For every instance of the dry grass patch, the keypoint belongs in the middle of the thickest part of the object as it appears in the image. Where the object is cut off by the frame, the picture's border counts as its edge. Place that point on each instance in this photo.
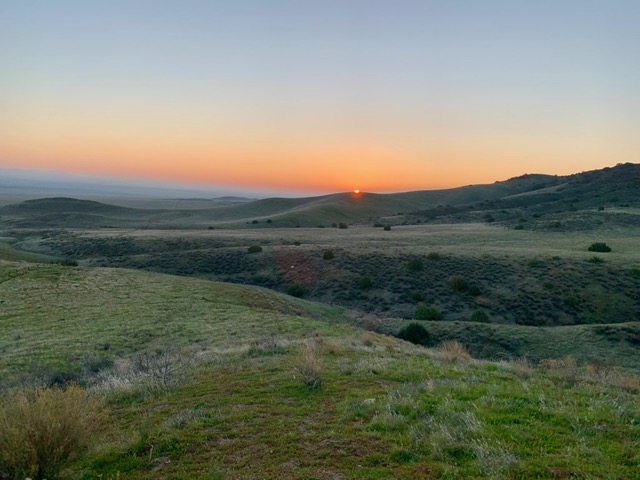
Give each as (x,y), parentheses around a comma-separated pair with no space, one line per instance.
(42,430)
(309,365)
(452,351)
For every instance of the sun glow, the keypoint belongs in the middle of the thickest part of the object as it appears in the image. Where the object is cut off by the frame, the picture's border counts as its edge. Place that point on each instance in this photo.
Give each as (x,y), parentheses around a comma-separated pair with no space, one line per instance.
(356,191)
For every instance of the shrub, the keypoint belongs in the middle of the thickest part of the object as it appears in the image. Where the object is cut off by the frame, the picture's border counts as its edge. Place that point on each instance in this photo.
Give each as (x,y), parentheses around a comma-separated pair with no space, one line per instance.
(519,227)
(453,351)
(342,225)
(296,290)
(415,265)
(596,260)
(599,247)
(297,243)
(364,283)
(68,262)
(42,430)
(328,255)
(480,316)
(254,249)
(427,313)
(387,228)
(458,283)
(254,221)
(475,290)
(269,220)
(434,256)
(310,365)
(378,225)
(414,333)
(417,297)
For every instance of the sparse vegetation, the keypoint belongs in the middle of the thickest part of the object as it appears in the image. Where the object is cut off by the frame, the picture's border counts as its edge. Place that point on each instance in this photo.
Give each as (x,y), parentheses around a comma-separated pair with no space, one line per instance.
(254,249)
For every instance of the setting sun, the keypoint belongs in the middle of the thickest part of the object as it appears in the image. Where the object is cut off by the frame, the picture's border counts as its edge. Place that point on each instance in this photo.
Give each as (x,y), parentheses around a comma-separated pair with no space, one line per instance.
(356,191)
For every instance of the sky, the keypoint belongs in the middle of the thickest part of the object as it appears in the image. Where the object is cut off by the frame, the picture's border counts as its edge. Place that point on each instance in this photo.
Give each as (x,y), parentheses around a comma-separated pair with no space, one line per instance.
(319,96)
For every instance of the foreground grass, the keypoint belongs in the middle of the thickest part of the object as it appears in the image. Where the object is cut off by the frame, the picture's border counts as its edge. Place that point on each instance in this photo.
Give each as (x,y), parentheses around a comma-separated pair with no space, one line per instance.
(242,409)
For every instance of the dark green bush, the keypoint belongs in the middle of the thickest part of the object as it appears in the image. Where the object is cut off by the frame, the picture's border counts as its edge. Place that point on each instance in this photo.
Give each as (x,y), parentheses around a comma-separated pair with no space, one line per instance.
(269,220)
(599,247)
(68,262)
(474,290)
(427,313)
(434,256)
(387,228)
(414,333)
(364,283)
(328,255)
(296,290)
(458,283)
(342,225)
(415,265)
(417,297)
(254,249)
(480,316)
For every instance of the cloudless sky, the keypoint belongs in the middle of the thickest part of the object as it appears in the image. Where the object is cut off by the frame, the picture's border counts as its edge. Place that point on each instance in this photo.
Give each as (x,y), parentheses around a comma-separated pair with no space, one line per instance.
(319,96)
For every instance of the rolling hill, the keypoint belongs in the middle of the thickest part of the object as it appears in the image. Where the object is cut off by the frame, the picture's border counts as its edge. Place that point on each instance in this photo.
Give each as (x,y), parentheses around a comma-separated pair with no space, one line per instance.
(619,185)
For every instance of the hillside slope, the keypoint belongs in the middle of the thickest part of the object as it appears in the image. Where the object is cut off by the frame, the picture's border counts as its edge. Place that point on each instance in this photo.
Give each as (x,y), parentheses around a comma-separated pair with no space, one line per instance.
(237,404)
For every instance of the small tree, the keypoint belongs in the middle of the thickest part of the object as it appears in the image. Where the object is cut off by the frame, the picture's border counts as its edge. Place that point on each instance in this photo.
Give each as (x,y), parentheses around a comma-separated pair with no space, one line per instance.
(414,333)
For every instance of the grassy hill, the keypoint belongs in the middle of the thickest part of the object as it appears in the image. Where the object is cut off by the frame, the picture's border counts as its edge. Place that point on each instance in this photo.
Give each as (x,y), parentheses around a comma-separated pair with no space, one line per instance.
(199,379)
(619,185)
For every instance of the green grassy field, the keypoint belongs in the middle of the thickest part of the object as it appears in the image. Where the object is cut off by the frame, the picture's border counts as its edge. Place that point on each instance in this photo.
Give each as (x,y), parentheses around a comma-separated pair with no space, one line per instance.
(239,408)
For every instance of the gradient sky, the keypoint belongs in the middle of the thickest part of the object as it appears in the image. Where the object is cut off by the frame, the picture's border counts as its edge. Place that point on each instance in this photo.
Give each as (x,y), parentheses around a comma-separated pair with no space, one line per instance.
(319,96)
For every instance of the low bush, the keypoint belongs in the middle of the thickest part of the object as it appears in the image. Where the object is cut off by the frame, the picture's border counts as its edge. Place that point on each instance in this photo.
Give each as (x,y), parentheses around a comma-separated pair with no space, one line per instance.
(414,333)
(458,283)
(480,316)
(42,430)
(296,290)
(427,313)
(599,247)
(328,255)
(453,351)
(254,249)
(364,283)
(415,265)
(434,256)
(387,228)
